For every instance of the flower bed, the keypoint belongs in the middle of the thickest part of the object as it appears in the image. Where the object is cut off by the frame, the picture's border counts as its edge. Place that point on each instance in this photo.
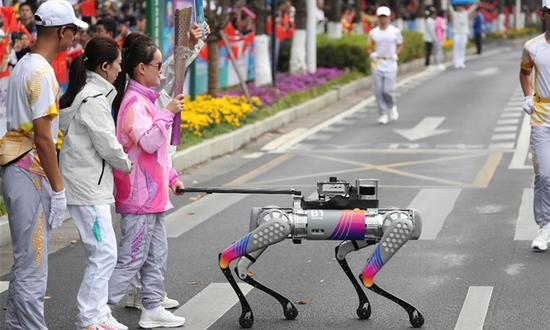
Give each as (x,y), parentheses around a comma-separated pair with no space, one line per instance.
(232,107)
(288,83)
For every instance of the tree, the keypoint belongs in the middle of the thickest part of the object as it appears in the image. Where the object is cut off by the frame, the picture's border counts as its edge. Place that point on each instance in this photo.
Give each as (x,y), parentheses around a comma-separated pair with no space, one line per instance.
(217,17)
(335,13)
(262,66)
(298,49)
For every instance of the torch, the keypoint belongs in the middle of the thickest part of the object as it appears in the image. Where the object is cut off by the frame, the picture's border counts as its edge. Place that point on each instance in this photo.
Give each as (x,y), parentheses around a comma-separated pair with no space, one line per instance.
(182,53)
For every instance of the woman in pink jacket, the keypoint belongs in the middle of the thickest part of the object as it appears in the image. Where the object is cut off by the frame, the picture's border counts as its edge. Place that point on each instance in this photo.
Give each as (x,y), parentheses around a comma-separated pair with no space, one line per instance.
(440,35)
(142,196)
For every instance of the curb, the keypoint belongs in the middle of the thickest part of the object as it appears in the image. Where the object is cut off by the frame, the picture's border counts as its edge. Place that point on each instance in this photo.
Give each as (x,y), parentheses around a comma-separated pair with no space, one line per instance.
(233,141)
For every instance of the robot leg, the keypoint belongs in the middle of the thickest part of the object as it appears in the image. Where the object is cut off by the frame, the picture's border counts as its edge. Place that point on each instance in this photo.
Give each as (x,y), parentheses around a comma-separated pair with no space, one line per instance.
(398,228)
(274,228)
(342,250)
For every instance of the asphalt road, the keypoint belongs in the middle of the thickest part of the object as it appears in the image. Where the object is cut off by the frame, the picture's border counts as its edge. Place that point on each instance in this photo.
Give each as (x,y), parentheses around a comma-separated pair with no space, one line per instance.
(464,165)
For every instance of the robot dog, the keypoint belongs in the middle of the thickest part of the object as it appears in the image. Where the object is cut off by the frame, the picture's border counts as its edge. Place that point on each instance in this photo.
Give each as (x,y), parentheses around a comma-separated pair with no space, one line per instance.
(342,212)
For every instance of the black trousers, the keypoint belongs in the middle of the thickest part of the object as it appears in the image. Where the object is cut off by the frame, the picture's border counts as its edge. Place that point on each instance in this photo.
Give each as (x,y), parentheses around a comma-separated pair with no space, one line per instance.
(477,39)
(429,46)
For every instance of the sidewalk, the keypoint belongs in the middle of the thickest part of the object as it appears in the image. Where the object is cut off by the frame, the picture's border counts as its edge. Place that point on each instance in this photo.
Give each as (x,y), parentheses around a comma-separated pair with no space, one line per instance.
(233,141)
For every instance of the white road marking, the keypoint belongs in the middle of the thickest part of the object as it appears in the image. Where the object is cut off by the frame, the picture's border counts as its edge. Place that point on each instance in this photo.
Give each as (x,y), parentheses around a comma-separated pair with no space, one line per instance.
(207,306)
(499,146)
(474,310)
(505,136)
(434,206)
(490,71)
(512,121)
(281,140)
(192,215)
(526,228)
(253,155)
(511,114)
(500,129)
(522,148)
(4,286)
(427,127)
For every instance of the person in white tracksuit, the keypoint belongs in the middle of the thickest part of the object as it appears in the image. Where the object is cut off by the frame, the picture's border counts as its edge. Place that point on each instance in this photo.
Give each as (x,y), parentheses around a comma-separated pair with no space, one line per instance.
(89,152)
(384,45)
(536,57)
(461,30)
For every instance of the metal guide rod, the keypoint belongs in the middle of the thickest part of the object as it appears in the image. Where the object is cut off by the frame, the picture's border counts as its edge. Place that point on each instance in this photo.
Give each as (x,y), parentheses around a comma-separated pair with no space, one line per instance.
(240,191)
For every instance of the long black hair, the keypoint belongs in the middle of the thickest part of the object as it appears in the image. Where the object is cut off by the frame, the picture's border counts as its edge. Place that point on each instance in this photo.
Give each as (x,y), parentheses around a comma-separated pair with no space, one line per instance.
(98,51)
(137,48)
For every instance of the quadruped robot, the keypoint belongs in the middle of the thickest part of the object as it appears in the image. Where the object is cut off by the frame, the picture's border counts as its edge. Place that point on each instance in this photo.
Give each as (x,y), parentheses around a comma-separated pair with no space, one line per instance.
(342,212)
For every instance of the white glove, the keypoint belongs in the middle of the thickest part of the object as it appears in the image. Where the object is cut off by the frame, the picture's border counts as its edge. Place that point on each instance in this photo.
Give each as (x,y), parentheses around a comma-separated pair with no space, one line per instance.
(528,105)
(373,56)
(57,210)
(395,58)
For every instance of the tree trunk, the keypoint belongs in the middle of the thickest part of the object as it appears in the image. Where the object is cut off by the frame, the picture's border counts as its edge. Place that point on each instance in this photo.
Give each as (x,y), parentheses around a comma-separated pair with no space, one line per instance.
(334,27)
(213,67)
(298,49)
(262,63)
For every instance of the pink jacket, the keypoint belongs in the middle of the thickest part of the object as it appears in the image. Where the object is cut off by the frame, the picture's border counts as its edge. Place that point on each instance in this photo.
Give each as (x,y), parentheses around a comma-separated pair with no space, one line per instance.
(143,131)
(440,28)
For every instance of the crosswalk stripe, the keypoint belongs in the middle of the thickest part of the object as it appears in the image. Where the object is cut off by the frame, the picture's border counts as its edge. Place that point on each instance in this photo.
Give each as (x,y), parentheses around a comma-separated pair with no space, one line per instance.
(510,114)
(281,140)
(520,155)
(474,310)
(434,206)
(253,155)
(207,306)
(501,129)
(505,136)
(511,121)
(526,228)
(192,215)
(4,286)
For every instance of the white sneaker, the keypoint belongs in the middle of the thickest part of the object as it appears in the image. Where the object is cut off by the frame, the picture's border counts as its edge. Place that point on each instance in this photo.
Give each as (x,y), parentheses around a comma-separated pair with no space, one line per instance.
(114,324)
(168,303)
(159,317)
(383,120)
(394,115)
(540,243)
(441,67)
(132,301)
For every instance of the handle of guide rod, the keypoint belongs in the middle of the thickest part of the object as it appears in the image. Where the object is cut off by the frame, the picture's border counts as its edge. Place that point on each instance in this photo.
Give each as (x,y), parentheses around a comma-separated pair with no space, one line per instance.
(241,191)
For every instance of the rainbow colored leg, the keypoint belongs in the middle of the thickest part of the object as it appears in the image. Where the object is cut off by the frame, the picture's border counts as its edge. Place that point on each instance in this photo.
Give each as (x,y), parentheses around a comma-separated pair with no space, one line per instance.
(274,228)
(398,228)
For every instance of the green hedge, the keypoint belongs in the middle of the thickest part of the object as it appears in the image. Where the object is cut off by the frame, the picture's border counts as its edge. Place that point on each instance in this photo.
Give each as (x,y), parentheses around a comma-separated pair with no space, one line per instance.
(351,51)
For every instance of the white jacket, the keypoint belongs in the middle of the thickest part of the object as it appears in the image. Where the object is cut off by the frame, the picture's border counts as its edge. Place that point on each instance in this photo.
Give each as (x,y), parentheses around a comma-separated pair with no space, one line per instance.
(90,148)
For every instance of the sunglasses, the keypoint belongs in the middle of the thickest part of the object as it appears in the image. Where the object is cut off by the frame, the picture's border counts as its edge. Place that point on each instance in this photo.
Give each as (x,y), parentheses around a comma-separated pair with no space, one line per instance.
(158,66)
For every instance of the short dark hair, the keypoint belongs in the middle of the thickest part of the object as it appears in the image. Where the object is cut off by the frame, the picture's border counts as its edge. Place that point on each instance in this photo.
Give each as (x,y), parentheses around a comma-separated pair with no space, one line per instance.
(109,24)
(26,4)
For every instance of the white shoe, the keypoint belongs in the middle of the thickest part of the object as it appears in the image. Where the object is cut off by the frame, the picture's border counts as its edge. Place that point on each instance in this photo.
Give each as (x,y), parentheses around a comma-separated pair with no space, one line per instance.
(114,324)
(441,67)
(168,303)
(540,243)
(132,301)
(159,317)
(383,120)
(394,115)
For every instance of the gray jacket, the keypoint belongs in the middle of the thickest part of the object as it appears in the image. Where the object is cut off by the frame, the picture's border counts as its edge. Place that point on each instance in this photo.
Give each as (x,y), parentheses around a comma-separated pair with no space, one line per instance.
(90,148)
